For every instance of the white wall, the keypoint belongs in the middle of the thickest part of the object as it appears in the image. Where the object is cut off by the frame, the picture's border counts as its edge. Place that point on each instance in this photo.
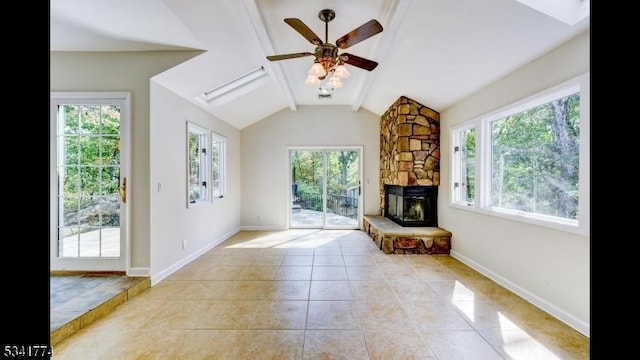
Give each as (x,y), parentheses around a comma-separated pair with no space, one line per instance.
(551,268)
(122,71)
(202,225)
(265,158)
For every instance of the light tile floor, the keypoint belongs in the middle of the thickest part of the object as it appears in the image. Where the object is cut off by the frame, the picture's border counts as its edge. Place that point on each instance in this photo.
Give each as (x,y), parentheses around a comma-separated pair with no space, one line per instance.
(323,294)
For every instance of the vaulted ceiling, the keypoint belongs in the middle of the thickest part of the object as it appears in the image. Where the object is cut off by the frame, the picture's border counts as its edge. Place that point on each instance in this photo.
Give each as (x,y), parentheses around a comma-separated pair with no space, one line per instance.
(434,51)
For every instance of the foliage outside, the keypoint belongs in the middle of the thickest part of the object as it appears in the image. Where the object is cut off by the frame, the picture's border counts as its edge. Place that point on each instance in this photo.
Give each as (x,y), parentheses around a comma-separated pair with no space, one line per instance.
(196,190)
(217,167)
(469,165)
(88,169)
(535,159)
(342,179)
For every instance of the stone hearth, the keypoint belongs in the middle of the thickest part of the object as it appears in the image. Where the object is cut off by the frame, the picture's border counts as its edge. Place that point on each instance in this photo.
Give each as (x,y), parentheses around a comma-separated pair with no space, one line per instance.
(392,238)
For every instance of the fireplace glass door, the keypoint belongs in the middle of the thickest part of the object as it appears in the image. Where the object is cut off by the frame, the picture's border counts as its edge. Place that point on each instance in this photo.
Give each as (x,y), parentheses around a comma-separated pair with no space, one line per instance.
(325,188)
(412,205)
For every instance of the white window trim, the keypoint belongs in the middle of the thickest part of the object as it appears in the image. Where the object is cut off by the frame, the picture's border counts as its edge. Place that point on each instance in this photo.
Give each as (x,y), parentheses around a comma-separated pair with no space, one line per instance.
(482,124)
(215,137)
(193,127)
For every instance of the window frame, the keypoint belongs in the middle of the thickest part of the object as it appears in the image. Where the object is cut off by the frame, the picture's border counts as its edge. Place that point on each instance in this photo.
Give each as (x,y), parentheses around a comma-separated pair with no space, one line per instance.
(456,175)
(482,125)
(203,162)
(222,165)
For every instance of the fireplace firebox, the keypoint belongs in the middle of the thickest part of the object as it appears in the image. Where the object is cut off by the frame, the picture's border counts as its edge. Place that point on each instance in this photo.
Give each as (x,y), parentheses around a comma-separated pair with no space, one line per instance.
(411,205)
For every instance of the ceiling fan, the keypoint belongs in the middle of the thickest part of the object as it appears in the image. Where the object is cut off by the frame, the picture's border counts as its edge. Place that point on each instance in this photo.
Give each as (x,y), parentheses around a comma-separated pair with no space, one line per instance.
(328,61)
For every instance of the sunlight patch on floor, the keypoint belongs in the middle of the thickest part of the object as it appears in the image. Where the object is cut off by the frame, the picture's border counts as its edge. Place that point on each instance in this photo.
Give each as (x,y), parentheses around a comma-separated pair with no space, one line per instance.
(463,298)
(295,238)
(519,344)
(501,332)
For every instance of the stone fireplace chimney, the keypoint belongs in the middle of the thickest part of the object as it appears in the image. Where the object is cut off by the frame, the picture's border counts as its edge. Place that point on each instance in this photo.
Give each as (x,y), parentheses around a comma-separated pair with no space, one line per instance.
(409,146)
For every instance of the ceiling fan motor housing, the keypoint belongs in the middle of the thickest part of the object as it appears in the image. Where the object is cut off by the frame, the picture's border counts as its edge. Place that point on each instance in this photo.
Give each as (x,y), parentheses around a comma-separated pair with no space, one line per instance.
(327,55)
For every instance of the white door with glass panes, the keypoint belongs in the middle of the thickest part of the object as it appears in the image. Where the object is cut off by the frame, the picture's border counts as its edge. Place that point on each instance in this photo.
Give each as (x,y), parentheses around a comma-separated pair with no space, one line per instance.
(89,181)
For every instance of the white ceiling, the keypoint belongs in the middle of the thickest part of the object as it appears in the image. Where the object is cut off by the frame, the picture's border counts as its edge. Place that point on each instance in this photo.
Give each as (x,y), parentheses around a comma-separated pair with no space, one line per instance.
(434,51)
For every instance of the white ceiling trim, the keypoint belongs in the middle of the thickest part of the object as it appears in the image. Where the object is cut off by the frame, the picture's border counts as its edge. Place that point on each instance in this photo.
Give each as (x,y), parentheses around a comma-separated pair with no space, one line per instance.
(256,17)
(396,13)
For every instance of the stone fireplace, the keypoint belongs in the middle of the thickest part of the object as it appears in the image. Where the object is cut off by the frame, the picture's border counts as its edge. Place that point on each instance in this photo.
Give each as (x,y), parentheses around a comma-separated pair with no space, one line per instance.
(409,180)
(410,158)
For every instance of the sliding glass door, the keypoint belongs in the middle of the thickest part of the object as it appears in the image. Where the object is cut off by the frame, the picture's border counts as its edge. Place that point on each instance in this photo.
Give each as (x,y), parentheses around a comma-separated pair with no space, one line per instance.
(325,187)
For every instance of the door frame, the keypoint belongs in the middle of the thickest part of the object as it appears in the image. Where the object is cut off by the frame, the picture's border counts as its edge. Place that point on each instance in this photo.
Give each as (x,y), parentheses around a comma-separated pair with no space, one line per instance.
(123,263)
(324,148)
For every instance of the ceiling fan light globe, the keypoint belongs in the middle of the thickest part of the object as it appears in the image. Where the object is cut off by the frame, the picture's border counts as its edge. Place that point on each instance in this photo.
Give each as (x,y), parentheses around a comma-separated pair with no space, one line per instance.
(312,80)
(317,70)
(341,72)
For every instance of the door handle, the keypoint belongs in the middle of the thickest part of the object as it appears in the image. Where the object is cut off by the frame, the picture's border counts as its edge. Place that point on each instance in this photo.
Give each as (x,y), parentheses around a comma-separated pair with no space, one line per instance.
(123,190)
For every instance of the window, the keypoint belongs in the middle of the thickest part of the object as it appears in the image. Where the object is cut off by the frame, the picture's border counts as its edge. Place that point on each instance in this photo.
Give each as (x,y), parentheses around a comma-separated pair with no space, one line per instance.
(197,163)
(465,165)
(534,159)
(524,161)
(206,177)
(218,149)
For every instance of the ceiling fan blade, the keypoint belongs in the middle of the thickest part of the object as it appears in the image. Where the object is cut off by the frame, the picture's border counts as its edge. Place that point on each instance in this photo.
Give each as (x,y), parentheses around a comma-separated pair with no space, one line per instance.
(360,62)
(304,30)
(288,56)
(363,32)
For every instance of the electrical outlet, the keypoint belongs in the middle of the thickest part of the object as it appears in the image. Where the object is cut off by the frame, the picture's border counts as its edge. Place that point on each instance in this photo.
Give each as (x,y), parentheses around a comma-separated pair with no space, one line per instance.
(184,244)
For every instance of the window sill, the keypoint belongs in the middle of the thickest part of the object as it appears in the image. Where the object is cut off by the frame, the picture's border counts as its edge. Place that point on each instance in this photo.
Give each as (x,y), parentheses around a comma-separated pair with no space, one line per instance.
(198,204)
(521,217)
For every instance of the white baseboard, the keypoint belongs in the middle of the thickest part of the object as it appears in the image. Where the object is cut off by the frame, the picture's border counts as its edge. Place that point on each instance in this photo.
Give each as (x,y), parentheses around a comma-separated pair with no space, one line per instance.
(553,310)
(262,228)
(138,272)
(184,261)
